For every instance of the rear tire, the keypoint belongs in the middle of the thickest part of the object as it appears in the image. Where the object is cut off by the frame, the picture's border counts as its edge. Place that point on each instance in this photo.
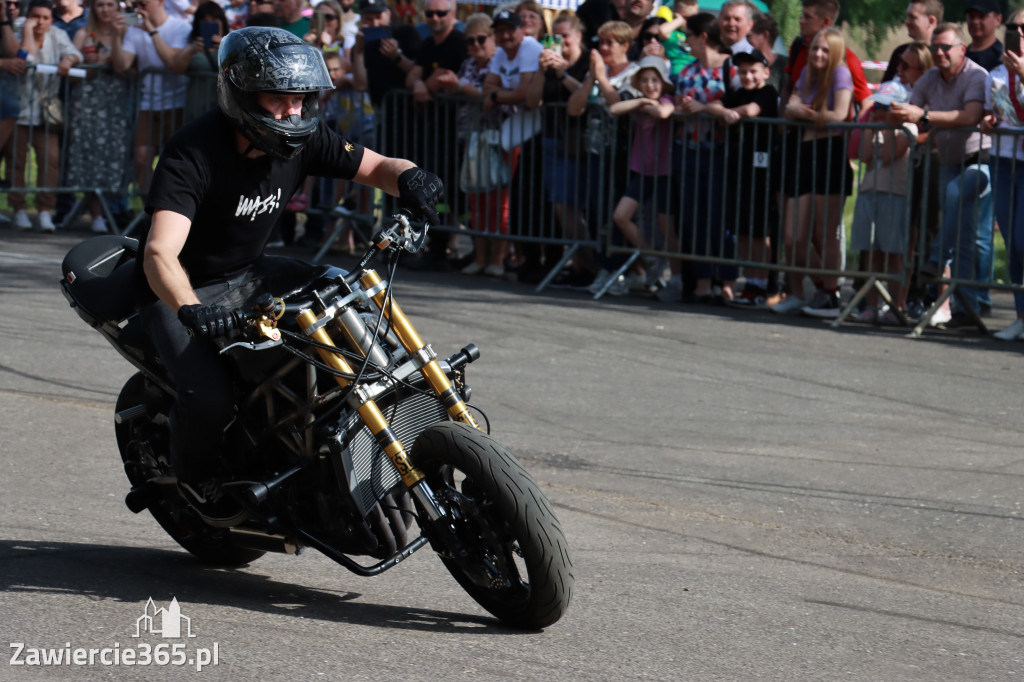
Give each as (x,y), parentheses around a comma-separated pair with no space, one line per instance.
(518,565)
(143,443)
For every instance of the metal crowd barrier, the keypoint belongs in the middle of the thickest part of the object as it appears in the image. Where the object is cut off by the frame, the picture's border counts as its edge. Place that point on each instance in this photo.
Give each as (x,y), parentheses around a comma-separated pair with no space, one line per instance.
(525,176)
(545,178)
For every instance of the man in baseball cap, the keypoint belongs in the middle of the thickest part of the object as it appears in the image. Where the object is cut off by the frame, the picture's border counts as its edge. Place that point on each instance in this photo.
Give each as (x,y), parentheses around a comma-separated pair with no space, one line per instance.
(983,18)
(508,17)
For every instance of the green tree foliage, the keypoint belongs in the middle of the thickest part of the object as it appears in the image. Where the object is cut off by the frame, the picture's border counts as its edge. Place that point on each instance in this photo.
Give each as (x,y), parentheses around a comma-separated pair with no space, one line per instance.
(869,20)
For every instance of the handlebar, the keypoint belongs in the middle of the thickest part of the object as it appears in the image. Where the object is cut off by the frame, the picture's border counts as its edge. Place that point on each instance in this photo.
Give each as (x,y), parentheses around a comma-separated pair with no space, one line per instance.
(400,236)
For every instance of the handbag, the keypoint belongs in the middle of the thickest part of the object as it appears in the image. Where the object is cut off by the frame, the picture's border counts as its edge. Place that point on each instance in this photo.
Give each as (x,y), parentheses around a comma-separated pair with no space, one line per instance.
(53,113)
(483,165)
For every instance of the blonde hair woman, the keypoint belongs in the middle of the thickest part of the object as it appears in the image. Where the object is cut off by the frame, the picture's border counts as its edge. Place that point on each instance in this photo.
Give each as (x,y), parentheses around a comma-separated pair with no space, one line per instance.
(821,176)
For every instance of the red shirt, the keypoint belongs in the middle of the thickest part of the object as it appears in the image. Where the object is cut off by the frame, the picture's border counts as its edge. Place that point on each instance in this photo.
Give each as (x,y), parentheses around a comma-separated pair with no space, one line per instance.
(860,84)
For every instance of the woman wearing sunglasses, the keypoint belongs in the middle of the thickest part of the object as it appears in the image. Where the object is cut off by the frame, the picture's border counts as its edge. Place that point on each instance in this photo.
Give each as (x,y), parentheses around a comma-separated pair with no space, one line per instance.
(43,43)
(98,146)
(325,27)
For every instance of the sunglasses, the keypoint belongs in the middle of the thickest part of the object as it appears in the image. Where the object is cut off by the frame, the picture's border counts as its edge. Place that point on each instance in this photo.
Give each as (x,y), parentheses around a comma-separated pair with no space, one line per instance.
(944,47)
(476,40)
(904,65)
(329,17)
(435,13)
(1014,27)
(650,38)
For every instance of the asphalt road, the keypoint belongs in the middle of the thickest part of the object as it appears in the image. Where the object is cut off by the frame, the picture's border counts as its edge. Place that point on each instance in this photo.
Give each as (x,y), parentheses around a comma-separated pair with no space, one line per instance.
(745,497)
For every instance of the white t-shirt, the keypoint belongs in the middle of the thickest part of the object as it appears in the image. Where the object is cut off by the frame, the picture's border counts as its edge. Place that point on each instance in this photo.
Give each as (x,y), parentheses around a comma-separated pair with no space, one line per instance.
(159,91)
(525,61)
(742,45)
(176,8)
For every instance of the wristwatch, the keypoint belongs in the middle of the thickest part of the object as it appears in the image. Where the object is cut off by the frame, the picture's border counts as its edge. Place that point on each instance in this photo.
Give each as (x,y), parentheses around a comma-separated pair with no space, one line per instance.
(924,117)
(398,57)
(494,96)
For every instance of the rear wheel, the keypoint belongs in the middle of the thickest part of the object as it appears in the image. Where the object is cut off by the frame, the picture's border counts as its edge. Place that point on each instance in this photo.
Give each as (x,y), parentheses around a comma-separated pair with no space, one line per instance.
(143,443)
(513,560)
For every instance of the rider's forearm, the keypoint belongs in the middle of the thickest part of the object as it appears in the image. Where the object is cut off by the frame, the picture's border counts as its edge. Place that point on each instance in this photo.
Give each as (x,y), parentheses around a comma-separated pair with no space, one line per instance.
(168,280)
(166,277)
(381,171)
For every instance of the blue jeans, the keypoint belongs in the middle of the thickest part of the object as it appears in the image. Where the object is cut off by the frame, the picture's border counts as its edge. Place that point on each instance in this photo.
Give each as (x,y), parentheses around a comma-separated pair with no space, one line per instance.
(965,240)
(1008,185)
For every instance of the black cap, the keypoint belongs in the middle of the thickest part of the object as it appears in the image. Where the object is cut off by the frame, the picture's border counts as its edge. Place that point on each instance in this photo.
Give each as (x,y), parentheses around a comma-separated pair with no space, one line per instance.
(984,6)
(508,17)
(754,56)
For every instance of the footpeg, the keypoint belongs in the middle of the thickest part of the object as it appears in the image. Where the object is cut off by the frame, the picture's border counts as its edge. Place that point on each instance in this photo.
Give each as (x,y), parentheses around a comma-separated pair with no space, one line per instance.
(138,499)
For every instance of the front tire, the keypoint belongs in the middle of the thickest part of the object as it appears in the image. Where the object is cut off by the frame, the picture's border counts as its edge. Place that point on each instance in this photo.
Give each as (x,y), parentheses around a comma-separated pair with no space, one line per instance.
(516,564)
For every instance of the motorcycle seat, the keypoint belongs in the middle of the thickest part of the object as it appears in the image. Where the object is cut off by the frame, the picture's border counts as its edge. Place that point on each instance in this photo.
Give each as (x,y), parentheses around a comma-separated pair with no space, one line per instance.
(98,275)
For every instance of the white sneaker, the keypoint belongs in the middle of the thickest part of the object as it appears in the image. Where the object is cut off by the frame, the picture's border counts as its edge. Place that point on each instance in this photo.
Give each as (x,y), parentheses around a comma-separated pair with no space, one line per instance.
(22,221)
(99,225)
(791,304)
(672,292)
(625,283)
(1015,332)
(472,269)
(599,281)
(46,222)
(941,316)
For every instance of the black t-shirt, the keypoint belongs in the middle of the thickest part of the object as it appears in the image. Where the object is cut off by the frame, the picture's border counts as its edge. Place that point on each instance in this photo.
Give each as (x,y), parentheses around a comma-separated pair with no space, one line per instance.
(989,58)
(234,202)
(449,54)
(557,120)
(745,139)
(383,74)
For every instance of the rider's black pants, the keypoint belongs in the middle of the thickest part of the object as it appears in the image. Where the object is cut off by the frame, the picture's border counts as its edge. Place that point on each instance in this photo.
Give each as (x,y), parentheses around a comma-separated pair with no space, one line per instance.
(206,401)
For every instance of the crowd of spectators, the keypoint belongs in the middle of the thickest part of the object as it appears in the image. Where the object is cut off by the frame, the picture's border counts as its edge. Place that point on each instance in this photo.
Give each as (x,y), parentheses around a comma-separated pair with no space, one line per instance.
(545,99)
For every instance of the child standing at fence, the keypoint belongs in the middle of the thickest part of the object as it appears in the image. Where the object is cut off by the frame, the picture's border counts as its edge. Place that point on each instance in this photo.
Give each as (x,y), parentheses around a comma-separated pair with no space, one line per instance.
(750,206)
(648,160)
(821,177)
(881,222)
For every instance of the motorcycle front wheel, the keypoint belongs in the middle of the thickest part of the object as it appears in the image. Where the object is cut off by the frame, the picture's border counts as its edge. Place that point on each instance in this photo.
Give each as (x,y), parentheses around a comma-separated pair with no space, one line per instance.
(512,557)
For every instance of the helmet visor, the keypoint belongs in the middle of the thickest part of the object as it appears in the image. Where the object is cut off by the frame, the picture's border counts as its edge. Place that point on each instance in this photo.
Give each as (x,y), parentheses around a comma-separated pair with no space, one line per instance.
(284,68)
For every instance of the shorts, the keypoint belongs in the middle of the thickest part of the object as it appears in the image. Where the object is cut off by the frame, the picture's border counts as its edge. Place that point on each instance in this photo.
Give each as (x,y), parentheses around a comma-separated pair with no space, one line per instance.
(9,105)
(563,175)
(817,166)
(644,188)
(889,232)
(750,206)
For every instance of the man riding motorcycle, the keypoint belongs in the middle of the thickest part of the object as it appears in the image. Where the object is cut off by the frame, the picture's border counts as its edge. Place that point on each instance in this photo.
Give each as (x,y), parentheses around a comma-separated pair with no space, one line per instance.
(221,184)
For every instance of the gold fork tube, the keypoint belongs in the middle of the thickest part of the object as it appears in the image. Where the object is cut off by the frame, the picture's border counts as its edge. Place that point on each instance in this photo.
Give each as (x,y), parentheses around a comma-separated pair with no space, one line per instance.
(413,344)
(370,413)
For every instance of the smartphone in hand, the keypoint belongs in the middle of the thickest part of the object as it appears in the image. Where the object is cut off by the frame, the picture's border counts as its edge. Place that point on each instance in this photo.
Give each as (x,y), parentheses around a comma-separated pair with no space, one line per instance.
(1012,41)
(207,30)
(376,33)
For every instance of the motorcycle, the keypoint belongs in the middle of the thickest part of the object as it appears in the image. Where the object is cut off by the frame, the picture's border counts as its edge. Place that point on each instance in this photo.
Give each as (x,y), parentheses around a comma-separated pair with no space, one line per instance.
(332,382)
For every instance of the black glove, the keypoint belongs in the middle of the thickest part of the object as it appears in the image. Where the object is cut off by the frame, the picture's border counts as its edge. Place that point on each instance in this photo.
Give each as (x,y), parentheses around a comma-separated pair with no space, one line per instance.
(418,192)
(207,321)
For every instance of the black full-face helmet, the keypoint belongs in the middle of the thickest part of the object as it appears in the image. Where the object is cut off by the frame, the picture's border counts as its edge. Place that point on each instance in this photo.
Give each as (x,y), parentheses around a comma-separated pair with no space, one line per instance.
(262,59)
